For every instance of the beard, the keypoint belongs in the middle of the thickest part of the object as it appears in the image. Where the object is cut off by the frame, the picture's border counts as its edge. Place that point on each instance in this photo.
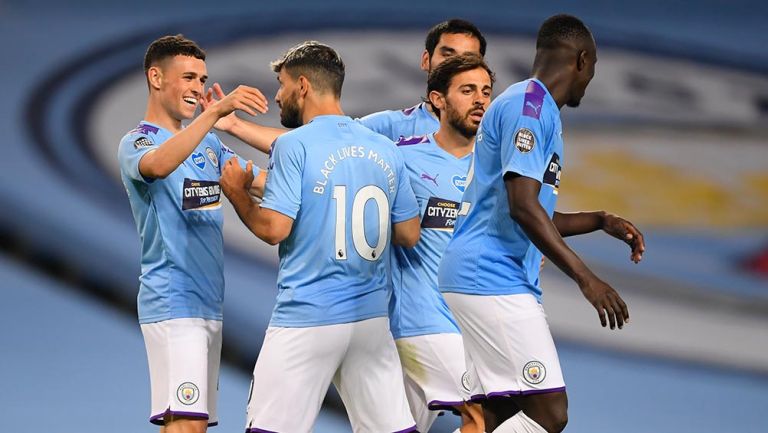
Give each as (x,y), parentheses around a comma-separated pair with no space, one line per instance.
(461,123)
(290,117)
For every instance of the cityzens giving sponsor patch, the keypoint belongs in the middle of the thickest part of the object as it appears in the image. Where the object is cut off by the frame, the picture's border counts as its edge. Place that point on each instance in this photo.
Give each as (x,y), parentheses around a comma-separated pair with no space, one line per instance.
(187,393)
(142,142)
(524,140)
(440,214)
(199,194)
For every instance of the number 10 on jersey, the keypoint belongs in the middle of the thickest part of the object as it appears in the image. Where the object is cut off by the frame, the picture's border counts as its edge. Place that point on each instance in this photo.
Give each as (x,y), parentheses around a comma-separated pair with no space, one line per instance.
(358,222)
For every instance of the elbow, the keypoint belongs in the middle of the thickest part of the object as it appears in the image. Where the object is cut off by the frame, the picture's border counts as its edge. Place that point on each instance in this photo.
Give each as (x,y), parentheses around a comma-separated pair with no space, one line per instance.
(408,239)
(272,236)
(413,239)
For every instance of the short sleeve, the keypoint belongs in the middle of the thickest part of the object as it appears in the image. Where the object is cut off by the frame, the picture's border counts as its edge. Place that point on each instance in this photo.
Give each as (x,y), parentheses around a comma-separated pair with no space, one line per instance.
(282,192)
(405,205)
(380,123)
(132,148)
(524,142)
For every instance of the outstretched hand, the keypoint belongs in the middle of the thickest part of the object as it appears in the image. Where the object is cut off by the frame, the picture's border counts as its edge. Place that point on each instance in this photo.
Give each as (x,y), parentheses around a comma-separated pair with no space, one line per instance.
(624,230)
(234,179)
(611,309)
(244,98)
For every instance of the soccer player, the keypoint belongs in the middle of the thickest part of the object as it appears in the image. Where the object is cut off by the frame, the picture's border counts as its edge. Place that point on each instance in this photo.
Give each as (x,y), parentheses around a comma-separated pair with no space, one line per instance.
(171,175)
(490,270)
(336,194)
(444,40)
(425,332)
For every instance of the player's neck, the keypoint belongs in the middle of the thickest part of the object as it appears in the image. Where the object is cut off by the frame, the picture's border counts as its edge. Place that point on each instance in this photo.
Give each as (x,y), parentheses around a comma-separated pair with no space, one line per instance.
(453,142)
(431,109)
(556,84)
(321,107)
(157,115)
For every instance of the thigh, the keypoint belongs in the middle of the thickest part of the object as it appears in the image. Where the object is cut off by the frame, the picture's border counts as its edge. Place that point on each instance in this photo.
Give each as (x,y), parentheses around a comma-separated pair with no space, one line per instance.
(509,343)
(435,363)
(179,353)
(292,375)
(370,380)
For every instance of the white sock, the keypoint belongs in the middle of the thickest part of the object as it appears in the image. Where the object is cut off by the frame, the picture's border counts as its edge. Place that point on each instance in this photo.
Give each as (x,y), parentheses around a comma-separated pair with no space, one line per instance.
(520,423)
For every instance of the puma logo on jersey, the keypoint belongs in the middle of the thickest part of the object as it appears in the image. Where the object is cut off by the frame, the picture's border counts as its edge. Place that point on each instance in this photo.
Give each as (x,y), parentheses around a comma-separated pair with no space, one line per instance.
(535,108)
(425,176)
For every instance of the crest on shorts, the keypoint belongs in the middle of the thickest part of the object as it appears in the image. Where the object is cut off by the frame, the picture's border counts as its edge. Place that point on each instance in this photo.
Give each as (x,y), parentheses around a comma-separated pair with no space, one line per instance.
(534,372)
(524,140)
(465,383)
(188,393)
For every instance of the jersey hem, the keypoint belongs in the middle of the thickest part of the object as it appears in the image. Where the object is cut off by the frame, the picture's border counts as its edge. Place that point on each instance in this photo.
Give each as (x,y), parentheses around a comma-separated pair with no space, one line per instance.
(289,324)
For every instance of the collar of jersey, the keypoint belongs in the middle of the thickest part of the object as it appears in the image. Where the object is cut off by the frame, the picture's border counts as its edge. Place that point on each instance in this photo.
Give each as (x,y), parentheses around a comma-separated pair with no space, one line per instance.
(324,117)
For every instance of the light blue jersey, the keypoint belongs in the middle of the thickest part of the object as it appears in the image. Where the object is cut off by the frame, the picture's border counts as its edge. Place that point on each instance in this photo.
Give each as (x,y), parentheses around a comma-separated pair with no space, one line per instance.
(344,186)
(490,254)
(410,122)
(438,180)
(179,220)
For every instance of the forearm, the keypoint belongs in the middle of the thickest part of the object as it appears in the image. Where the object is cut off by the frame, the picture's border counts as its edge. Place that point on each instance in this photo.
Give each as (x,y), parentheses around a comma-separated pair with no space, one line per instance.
(578,223)
(172,153)
(257,136)
(250,214)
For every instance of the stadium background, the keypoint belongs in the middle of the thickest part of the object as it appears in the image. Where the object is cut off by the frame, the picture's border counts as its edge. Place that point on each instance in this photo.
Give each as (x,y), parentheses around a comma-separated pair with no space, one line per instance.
(671,134)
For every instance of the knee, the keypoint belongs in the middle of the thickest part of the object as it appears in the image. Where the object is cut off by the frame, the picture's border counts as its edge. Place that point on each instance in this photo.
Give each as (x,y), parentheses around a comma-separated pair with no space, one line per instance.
(556,421)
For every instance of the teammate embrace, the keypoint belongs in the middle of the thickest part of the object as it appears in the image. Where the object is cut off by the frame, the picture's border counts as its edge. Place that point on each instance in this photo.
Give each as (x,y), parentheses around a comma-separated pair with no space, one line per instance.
(365,233)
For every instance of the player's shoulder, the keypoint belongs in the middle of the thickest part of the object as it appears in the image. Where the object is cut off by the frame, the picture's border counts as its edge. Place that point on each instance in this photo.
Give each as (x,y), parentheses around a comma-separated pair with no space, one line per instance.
(143,135)
(526,100)
(405,113)
(414,143)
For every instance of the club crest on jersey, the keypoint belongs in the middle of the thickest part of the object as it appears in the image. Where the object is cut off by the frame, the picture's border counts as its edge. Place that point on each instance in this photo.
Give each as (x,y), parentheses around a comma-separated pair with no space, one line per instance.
(199,159)
(142,142)
(459,182)
(212,156)
(524,140)
(534,372)
(187,393)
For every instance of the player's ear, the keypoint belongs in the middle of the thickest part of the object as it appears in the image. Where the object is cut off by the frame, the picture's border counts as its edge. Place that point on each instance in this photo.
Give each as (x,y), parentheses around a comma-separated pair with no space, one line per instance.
(304,86)
(437,99)
(154,77)
(425,61)
(581,60)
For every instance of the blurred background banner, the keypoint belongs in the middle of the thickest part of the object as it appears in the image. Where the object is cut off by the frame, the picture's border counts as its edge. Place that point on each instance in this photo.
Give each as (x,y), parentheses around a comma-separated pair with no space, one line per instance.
(671,135)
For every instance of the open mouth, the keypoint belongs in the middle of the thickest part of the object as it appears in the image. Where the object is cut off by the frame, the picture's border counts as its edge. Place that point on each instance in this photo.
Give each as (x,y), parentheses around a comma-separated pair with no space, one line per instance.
(190,100)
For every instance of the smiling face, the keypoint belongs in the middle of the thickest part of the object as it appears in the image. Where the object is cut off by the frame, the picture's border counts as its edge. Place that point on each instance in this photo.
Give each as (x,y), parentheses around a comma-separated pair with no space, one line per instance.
(178,83)
(463,106)
(449,45)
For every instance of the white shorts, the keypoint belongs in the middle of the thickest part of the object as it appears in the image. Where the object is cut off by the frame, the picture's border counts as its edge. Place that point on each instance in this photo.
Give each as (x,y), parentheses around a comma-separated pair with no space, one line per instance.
(184,357)
(433,366)
(509,347)
(297,365)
